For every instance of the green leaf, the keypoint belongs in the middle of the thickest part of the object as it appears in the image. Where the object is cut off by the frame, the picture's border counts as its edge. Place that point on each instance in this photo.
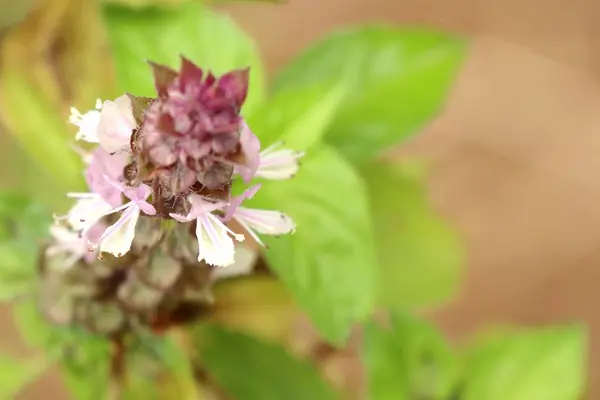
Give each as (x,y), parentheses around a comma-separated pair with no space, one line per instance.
(329,262)
(409,360)
(299,117)
(86,366)
(537,364)
(42,134)
(399,80)
(22,218)
(17,271)
(15,374)
(420,256)
(269,372)
(209,38)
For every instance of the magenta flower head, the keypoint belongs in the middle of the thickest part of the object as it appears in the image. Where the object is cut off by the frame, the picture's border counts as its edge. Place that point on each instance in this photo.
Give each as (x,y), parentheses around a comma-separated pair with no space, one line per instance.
(159,221)
(191,135)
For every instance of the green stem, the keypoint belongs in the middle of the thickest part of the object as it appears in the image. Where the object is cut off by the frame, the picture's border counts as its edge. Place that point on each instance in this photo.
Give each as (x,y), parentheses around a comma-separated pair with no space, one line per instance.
(185,378)
(117,376)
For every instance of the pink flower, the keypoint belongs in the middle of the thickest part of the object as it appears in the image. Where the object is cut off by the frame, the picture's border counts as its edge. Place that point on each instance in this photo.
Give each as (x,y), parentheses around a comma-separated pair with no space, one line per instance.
(116,125)
(194,126)
(118,237)
(278,164)
(105,173)
(215,245)
(251,149)
(266,222)
(111,124)
(73,245)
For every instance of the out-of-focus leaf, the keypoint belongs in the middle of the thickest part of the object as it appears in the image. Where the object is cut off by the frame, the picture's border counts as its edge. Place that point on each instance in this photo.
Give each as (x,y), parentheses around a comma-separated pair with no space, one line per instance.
(538,364)
(22,218)
(256,305)
(38,127)
(12,12)
(15,374)
(48,64)
(299,116)
(22,225)
(409,360)
(67,64)
(329,262)
(399,80)
(210,39)
(145,3)
(17,271)
(86,367)
(420,256)
(269,372)
(178,360)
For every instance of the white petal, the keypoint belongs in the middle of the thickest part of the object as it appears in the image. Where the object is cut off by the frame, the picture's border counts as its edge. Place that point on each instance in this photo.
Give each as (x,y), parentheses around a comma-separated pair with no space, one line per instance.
(87,211)
(116,124)
(214,244)
(118,237)
(278,164)
(87,123)
(266,222)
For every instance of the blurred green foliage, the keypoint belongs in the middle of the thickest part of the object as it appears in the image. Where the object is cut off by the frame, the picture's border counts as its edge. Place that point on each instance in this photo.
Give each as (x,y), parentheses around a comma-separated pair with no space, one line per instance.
(398,79)
(409,360)
(270,372)
(206,37)
(328,264)
(366,236)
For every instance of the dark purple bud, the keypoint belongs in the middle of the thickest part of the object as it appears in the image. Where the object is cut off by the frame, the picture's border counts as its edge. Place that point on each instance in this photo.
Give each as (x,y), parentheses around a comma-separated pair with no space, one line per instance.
(194,124)
(235,85)
(163,77)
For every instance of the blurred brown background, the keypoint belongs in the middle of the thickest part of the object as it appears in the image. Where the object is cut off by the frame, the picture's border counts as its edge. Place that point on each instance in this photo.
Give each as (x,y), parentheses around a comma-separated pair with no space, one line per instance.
(516,154)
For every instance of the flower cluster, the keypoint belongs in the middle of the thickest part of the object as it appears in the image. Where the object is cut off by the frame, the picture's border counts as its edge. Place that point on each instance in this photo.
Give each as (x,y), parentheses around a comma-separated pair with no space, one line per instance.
(158,211)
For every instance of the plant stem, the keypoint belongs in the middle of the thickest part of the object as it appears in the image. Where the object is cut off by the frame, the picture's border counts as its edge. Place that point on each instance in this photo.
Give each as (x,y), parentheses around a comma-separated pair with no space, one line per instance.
(185,377)
(117,375)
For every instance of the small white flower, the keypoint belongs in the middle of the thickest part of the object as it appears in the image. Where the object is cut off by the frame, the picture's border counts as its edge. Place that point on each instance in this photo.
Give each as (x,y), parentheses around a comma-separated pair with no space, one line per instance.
(70,243)
(89,209)
(110,124)
(266,222)
(116,124)
(215,245)
(278,164)
(87,123)
(118,237)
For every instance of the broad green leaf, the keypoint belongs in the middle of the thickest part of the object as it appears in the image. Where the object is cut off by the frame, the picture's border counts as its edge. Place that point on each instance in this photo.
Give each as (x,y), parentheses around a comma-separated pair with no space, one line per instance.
(399,79)
(408,360)
(299,116)
(420,256)
(16,374)
(329,262)
(538,364)
(269,372)
(209,38)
